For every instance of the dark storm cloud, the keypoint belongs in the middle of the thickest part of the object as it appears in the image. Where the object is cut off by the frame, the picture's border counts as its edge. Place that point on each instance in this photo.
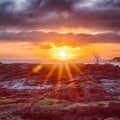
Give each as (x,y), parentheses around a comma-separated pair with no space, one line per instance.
(51,14)
(80,39)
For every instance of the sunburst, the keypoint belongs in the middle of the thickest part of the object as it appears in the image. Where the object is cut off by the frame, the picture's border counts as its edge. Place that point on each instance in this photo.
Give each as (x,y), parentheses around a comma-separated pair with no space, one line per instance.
(63,54)
(49,74)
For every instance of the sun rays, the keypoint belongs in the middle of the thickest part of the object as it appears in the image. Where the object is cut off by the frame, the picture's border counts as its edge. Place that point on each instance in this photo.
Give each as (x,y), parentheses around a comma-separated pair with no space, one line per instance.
(59,80)
(49,74)
(57,73)
(60,72)
(71,79)
(77,69)
(59,69)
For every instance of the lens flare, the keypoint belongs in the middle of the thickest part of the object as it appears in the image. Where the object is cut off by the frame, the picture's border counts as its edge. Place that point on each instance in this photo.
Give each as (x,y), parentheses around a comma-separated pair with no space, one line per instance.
(63,54)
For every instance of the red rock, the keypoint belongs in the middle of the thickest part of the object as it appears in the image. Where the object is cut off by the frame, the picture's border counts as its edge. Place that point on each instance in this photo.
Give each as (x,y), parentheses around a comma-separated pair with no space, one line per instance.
(114,106)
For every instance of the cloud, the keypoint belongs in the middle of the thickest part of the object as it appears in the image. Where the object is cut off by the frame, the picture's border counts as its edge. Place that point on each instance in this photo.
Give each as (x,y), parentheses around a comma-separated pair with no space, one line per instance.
(116,51)
(70,38)
(49,45)
(54,14)
(15,6)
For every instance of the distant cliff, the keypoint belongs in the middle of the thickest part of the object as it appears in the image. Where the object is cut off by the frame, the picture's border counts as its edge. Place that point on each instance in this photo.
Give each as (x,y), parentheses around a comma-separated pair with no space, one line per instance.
(115,59)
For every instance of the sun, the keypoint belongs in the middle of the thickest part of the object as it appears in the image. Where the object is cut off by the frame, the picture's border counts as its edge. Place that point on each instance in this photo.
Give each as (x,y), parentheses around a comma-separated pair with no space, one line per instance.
(63,54)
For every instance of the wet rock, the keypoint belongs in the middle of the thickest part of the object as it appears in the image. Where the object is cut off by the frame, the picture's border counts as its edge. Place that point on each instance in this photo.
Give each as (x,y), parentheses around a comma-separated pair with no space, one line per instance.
(114,106)
(92,96)
(111,118)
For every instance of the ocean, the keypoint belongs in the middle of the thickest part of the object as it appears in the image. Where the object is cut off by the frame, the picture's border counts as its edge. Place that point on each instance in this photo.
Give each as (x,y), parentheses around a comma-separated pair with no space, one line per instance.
(10,61)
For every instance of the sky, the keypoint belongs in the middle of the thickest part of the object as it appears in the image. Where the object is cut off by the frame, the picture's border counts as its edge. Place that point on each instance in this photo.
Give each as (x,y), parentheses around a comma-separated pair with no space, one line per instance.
(40,29)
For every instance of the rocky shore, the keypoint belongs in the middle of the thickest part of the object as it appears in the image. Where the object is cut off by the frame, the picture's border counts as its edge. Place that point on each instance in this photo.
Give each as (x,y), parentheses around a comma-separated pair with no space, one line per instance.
(82,92)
